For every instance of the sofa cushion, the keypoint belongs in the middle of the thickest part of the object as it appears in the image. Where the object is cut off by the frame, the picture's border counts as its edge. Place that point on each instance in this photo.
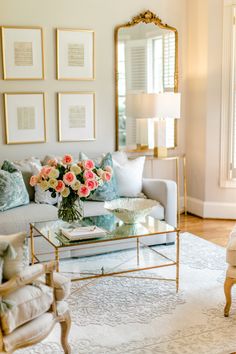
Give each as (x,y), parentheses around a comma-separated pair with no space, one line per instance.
(28,302)
(107,191)
(129,176)
(25,168)
(41,196)
(13,192)
(18,219)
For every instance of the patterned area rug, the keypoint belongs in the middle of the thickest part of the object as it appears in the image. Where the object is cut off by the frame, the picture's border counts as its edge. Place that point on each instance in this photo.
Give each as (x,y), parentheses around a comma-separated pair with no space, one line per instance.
(142,316)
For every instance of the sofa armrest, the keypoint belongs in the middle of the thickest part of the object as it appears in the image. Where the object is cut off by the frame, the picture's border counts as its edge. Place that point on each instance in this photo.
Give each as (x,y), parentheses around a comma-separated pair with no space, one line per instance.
(165,192)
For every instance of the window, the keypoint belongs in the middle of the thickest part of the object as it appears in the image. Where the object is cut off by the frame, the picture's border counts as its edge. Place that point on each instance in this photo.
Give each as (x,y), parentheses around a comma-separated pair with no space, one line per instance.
(228,113)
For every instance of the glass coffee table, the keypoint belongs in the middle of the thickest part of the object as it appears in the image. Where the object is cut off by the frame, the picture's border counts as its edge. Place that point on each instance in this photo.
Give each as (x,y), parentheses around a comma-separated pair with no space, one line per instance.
(116,230)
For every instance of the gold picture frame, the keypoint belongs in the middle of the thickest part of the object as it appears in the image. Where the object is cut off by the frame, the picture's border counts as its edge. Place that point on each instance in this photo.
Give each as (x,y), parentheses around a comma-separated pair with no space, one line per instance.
(76,116)
(75,54)
(23,123)
(22,53)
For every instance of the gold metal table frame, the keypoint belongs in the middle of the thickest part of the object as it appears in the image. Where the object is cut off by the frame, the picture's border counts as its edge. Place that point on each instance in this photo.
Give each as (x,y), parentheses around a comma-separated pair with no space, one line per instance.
(36,227)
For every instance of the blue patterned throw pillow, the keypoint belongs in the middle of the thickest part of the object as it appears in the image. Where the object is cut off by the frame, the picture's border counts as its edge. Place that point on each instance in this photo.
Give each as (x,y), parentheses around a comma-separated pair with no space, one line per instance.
(108,191)
(13,192)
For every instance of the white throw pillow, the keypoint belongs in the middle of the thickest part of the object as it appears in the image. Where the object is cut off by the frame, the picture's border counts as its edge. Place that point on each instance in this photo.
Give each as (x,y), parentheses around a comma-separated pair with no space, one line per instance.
(120,157)
(129,177)
(41,196)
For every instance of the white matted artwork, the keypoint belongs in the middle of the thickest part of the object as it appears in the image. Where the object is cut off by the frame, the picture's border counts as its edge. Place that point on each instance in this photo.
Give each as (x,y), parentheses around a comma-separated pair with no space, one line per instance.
(25,117)
(76,115)
(22,53)
(75,54)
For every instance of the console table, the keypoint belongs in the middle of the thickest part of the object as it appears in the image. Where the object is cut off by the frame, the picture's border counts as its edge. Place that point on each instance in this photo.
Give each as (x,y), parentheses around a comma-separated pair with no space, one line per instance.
(176,159)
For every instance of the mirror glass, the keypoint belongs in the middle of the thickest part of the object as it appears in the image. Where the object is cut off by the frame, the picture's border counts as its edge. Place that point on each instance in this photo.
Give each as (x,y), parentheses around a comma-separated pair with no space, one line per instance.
(145,63)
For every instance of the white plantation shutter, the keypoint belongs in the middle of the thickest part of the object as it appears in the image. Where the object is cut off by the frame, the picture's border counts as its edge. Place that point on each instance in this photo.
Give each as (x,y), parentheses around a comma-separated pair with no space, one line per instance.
(169,61)
(136,79)
(168,80)
(136,66)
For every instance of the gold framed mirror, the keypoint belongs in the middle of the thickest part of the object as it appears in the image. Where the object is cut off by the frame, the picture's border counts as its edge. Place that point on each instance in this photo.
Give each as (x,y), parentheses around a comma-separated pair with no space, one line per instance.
(146,61)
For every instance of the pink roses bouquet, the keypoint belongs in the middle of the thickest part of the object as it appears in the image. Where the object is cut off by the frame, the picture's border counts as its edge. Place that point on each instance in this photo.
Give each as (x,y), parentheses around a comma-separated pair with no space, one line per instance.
(74,182)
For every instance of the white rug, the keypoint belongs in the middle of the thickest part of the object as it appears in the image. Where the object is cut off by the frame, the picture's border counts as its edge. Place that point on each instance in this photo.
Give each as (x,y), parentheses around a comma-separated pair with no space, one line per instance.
(118,316)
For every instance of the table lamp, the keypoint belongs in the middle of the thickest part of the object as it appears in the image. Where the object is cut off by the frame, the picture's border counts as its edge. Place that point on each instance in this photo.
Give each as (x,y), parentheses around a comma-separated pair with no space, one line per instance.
(167,106)
(142,107)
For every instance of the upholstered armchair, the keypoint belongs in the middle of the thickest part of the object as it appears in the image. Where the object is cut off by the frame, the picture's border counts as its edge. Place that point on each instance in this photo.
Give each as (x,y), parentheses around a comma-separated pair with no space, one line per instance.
(230,278)
(31,304)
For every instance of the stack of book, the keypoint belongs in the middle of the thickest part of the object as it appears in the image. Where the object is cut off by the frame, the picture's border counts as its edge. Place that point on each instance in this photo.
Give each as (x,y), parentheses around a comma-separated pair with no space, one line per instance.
(83,233)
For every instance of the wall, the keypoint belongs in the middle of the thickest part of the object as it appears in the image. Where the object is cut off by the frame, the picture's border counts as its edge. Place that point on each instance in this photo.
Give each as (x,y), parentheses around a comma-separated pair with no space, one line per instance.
(204,57)
(101,16)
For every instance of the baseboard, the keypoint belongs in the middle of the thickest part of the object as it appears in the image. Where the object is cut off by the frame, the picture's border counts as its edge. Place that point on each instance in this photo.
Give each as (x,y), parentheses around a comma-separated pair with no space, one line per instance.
(195,206)
(211,209)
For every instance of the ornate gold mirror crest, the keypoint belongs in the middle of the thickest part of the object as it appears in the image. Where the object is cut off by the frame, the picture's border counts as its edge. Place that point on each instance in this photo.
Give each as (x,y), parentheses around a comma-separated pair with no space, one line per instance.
(146,61)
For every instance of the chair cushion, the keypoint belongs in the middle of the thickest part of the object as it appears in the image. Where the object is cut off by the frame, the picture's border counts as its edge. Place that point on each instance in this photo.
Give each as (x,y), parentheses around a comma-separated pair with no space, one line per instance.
(62,285)
(29,332)
(34,330)
(231,272)
(14,265)
(28,302)
(18,219)
(231,249)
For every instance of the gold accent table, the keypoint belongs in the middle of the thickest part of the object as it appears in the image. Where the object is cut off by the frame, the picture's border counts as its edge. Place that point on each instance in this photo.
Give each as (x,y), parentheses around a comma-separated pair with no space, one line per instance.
(116,230)
(177,171)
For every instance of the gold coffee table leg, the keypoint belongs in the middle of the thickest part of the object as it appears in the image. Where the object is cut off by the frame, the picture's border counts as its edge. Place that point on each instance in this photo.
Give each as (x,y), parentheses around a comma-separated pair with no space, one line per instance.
(177,261)
(138,248)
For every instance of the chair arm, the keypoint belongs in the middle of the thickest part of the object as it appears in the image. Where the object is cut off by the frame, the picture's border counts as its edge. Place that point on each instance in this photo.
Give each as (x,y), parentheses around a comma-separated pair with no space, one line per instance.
(165,192)
(27,276)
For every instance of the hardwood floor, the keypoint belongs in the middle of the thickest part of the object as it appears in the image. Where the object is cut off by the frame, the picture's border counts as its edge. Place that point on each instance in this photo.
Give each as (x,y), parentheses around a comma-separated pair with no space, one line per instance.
(214,230)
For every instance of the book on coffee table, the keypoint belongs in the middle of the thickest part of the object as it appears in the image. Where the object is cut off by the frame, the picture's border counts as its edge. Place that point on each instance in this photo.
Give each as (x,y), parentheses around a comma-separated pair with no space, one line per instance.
(83,233)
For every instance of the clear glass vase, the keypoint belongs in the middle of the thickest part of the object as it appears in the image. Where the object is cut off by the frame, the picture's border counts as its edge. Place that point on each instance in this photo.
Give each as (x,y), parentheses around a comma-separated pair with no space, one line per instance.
(71,209)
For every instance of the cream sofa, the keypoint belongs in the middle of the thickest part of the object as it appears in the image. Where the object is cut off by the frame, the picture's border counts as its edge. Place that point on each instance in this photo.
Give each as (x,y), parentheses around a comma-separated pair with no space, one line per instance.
(164,191)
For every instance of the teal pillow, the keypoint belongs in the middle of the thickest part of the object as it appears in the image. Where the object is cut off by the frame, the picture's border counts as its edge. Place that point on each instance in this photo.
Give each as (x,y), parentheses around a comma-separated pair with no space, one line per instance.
(108,191)
(13,192)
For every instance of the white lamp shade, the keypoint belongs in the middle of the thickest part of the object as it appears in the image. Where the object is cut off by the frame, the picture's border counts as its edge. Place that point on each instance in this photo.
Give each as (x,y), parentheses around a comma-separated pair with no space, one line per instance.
(141,105)
(153,105)
(168,105)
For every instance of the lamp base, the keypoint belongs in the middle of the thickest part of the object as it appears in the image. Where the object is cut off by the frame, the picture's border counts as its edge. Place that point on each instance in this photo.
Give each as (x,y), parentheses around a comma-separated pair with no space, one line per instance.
(142,147)
(160,151)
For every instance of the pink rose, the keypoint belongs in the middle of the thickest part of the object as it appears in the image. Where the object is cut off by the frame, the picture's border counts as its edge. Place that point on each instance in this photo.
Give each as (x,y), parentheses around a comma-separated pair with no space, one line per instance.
(69,178)
(67,160)
(33,180)
(45,171)
(88,164)
(106,176)
(108,169)
(88,174)
(91,184)
(83,192)
(60,186)
(52,162)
